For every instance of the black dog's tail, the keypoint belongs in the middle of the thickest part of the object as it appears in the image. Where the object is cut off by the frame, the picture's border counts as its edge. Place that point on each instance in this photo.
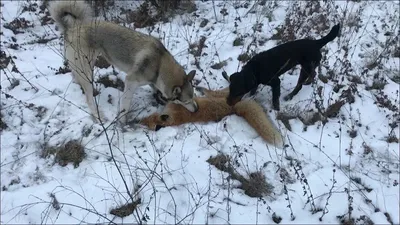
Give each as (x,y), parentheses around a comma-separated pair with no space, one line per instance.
(329,37)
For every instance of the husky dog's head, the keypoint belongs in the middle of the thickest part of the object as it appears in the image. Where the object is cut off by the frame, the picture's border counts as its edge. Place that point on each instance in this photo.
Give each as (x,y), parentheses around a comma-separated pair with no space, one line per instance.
(184,94)
(239,85)
(180,91)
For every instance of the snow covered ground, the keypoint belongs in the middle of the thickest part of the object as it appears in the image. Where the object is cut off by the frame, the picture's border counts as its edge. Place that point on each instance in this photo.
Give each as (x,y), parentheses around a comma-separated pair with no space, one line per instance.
(339,164)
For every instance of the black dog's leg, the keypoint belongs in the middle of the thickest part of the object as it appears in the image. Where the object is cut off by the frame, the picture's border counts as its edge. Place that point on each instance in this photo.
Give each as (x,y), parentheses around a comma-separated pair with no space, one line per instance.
(253,91)
(306,72)
(276,93)
(311,76)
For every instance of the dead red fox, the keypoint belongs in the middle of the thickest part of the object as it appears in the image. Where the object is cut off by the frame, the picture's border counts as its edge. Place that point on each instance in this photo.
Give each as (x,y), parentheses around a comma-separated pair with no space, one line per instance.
(213,107)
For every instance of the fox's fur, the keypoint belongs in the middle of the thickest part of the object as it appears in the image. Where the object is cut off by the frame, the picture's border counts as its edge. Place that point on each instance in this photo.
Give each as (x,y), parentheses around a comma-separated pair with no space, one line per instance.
(213,107)
(143,57)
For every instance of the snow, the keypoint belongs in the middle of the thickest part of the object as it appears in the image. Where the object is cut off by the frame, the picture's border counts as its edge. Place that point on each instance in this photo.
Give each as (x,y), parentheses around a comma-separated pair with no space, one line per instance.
(328,171)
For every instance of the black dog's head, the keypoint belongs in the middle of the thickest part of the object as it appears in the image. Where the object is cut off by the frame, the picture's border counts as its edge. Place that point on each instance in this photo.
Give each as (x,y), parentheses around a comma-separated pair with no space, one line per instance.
(240,84)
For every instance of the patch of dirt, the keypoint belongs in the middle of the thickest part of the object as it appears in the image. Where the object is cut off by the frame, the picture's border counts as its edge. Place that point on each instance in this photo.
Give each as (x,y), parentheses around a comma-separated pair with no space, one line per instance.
(391,138)
(367,149)
(17,25)
(46,19)
(204,22)
(197,48)
(64,69)
(284,118)
(221,64)
(244,57)
(382,100)
(277,219)
(3,125)
(102,63)
(323,78)
(377,85)
(310,118)
(125,210)
(348,95)
(71,152)
(142,17)
(333,110)
(107,82)
(4,60)
(239,41)
(13,83)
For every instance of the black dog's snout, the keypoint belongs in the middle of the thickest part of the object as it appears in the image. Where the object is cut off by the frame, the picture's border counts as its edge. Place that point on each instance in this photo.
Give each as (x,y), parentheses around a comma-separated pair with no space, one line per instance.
(158,127)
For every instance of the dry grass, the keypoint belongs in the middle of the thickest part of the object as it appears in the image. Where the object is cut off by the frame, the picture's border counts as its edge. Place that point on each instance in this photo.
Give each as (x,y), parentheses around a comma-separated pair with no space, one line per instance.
(71,152)
(255,185)
(125,210)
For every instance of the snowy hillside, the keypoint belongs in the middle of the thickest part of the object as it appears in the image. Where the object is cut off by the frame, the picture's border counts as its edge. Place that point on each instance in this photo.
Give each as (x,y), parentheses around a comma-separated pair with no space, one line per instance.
(340,163)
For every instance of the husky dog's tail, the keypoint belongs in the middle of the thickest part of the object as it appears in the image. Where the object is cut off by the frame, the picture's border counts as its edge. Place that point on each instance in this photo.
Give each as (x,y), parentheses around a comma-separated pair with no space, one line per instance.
(254,114)
(329,37)
(69,13)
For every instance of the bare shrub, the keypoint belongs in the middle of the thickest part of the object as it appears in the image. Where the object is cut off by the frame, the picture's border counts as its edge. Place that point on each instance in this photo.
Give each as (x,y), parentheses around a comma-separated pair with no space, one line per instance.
(254,186)
(70,152)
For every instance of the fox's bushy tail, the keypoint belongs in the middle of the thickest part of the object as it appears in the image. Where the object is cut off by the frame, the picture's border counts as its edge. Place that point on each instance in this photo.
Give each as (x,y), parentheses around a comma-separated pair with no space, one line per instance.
(329,37)
(69,13)
(254,114)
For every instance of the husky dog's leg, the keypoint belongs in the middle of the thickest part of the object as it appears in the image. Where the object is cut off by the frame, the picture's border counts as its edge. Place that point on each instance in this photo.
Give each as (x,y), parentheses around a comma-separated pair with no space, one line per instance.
(126,101)
(81,62)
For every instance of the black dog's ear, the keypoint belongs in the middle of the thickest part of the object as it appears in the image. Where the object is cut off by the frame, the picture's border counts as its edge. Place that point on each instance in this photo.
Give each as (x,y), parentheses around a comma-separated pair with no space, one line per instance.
(225,76)
(158,127)
(164,117)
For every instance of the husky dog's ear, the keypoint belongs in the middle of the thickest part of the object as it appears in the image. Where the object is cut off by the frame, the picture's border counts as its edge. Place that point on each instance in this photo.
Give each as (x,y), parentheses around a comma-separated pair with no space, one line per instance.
(191,75)
(176,92)
(164,117)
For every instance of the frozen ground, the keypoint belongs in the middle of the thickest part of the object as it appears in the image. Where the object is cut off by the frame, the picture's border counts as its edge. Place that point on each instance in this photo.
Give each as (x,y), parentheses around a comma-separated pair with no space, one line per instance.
(340,164)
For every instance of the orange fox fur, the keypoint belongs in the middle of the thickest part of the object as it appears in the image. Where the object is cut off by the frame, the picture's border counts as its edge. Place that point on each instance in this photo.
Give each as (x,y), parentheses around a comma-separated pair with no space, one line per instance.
(213,107)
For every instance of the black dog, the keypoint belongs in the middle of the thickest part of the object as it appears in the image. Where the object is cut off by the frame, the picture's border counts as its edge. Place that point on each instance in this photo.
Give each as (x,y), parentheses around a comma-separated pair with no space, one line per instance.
(266,67)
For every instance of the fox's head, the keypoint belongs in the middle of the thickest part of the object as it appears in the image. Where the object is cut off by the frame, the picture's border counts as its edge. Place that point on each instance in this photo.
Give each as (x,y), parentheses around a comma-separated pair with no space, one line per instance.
(156,121)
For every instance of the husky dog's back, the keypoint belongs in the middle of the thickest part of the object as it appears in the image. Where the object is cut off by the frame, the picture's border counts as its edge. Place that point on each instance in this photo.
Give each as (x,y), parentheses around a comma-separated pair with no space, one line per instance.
(143,57)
